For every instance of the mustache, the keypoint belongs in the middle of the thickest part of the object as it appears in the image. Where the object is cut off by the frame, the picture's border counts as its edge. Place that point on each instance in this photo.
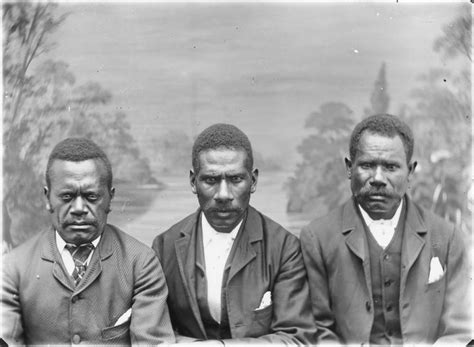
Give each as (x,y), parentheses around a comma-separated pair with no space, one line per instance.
(375,191)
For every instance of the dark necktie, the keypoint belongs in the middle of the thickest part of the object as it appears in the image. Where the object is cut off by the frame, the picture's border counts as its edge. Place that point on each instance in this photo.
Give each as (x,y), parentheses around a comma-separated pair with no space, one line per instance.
(79,255)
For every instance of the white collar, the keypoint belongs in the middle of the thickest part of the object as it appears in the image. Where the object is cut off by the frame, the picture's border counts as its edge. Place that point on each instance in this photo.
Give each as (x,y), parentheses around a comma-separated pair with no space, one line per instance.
(209,232)
(390,222)
(60,243)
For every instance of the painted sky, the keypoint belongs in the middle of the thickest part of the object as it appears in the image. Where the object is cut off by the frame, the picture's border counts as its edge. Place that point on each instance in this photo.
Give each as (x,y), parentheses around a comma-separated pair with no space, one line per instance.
(261,66)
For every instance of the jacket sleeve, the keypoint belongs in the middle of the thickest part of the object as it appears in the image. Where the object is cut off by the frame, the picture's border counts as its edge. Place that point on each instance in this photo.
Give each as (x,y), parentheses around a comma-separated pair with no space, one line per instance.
(455,322)
(150,321)
(319,287)
(10,308)
(292,321)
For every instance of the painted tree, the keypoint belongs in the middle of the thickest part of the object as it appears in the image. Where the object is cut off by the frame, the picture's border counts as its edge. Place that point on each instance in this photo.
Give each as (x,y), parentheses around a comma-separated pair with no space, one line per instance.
(319,182)
(379,99)
(441,119)
(42,105)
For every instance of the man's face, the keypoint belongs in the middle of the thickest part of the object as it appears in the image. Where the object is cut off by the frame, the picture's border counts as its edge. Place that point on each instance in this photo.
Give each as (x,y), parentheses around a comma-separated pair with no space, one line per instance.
(78,199)
(379,174)
(223,186)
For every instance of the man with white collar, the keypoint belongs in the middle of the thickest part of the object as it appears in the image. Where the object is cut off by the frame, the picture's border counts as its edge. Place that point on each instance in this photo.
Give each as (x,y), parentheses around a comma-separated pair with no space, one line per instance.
(82,280)
(234,275)
(383,270)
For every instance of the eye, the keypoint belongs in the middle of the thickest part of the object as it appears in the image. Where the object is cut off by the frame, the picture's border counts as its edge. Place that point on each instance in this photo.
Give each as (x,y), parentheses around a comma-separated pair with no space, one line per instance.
(92,197)
(210,180)
(366,166)
(236,179)
(391,167)
(66,197)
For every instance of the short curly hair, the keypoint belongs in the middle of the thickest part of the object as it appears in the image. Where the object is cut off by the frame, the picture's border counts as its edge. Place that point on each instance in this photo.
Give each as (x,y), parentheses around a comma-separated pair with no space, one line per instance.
(386,125)
(221,136)
(78,149)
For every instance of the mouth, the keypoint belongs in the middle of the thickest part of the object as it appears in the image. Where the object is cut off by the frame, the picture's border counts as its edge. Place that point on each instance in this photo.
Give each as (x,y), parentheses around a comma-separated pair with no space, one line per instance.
(80,225)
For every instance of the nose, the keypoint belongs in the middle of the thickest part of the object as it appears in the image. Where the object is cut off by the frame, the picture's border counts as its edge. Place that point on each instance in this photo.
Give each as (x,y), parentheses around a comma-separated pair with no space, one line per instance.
(378,177)
(223,192)
(78,207)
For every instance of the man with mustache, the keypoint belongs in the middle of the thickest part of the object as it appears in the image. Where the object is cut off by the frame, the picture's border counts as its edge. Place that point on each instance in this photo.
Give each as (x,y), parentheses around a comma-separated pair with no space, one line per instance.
(234,275)
(83,280)
(382,270)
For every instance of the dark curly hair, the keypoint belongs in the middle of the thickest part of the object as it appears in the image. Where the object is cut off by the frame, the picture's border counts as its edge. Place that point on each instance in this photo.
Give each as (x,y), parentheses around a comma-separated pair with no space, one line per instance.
(386,125)
(78,149)
(221,136)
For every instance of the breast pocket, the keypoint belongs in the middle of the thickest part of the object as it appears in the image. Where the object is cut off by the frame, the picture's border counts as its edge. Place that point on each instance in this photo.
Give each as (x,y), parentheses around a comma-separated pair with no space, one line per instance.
(119,334)
(261,321)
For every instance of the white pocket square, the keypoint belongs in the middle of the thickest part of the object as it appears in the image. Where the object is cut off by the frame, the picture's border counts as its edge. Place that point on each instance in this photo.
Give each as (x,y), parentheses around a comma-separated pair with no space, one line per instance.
(436,270)
(124,318)
(266,300)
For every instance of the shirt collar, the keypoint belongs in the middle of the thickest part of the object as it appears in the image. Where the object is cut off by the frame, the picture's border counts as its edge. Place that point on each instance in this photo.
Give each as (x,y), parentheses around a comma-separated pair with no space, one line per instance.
(208,232)
(60,243)
(392,222)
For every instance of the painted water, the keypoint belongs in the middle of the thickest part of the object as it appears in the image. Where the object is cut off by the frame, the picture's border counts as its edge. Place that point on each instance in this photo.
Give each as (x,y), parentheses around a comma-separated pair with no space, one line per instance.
(174,201)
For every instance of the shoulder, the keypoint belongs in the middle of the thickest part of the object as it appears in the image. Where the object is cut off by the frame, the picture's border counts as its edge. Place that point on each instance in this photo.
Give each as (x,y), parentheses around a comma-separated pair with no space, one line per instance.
(325,226)
(29,247)
(272,231)
(440,228)
(175,230)
(126,243)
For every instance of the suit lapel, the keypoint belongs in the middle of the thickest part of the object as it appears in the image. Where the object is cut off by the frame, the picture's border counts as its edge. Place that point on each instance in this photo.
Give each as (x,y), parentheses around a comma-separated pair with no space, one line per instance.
(353,228)
(51,253)
(413,242)
(185,248)
(251,232)
(104,250)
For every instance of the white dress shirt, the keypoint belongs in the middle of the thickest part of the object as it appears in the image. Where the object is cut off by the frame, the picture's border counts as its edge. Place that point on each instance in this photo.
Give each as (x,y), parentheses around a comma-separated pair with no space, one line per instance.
(66,255)
(382,229)
(217,246)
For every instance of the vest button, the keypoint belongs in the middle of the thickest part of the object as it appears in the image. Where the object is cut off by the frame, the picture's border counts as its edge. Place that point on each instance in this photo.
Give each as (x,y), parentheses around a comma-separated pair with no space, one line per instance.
(368,306)
(389,307)
(74,299)
(387,282)
(76,339)
(386,257)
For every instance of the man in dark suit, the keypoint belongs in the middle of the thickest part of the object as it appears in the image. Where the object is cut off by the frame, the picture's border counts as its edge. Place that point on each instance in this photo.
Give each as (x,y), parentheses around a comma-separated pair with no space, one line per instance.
(383,270)
(234,275)
(83,280)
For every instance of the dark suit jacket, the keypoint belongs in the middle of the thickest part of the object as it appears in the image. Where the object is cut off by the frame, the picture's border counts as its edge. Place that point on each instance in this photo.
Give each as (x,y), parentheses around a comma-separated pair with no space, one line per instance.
(267,258)
(336,257)
(40,304)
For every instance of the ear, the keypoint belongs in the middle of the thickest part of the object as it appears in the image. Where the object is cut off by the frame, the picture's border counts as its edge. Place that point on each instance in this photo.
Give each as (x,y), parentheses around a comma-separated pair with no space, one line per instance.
(112,193)
(46,199)
(348,167)
(411,169)
(192,181)
(253,187)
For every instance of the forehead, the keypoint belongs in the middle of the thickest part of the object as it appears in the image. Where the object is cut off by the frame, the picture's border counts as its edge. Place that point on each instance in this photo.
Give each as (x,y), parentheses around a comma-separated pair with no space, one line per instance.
(89,170)
(222,159)
(377,145)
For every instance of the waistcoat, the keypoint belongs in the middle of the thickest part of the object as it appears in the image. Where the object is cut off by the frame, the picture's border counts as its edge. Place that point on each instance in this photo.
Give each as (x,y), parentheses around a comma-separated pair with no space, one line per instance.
(385,267)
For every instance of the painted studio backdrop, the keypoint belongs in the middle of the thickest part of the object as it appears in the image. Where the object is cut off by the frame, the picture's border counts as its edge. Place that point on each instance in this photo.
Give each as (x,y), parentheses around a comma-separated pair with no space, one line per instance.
(142,80)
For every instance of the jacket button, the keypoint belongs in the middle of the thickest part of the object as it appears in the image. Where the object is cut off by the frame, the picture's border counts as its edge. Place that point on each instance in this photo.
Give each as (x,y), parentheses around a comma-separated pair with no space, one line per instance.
(76,339)
(368,306)
(387,282)
(389,307)
(74,299)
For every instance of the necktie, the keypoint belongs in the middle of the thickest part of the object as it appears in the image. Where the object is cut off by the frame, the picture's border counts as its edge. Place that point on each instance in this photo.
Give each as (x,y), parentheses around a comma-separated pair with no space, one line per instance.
(79,255)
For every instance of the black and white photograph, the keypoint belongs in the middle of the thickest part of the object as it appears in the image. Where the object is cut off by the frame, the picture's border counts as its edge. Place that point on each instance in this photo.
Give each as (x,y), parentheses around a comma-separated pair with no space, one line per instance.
(237,172)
